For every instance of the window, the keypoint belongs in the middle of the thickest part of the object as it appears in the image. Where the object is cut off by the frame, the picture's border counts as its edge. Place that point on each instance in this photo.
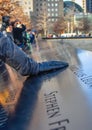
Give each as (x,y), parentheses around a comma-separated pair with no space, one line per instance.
(48,10)
(48,14)
(37,9)
(52,9)
(52,20)
(56,14)
(56,9)
(49,20)
(48,4)
(52,4)
(56,4)
(37,4)
(52,14)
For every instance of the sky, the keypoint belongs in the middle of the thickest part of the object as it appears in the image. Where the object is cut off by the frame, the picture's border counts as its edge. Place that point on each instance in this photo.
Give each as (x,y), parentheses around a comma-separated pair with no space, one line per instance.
(77,1)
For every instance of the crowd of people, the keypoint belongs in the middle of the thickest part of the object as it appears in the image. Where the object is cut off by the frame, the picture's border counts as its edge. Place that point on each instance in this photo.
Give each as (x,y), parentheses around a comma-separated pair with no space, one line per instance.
(23,37)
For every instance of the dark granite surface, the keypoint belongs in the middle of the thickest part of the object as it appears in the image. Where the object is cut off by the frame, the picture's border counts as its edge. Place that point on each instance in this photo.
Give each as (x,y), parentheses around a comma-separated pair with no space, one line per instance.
(58,100)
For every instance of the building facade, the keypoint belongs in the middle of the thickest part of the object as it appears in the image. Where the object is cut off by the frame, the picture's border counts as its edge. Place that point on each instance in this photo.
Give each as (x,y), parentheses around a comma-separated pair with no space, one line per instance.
(46,12)
(84,5)
(87,6)
(52,8)
(27,6)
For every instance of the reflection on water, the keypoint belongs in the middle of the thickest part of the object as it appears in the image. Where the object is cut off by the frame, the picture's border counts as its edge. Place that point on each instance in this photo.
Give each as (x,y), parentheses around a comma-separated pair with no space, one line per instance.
(3,117)
(4,76)
(10,86)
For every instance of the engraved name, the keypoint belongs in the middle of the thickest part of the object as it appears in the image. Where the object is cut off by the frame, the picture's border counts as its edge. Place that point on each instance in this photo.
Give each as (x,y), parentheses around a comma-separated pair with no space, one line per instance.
(53,111)
(85,78)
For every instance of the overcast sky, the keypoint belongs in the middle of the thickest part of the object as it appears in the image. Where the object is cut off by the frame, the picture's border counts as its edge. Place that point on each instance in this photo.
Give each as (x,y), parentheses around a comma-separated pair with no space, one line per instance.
(77,1)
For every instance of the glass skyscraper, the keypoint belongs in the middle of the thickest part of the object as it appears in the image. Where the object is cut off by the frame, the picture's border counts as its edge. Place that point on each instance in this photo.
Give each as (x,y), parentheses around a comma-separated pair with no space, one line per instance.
(87,6)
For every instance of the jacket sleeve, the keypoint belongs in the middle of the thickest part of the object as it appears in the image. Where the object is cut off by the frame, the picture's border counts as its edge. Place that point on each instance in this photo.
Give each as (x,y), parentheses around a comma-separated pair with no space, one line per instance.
(12,55)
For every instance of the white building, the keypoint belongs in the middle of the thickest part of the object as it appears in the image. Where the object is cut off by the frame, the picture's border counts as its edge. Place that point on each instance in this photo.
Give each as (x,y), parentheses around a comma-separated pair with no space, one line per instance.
(27,6)
(84,6)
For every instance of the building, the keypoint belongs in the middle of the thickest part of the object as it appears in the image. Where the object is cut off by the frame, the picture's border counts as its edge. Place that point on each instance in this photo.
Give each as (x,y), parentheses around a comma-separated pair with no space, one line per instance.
(73,0)
(46,12)
(27,6)
(83,19)
(53,8)
(72,7)
(84,6)
(87,6)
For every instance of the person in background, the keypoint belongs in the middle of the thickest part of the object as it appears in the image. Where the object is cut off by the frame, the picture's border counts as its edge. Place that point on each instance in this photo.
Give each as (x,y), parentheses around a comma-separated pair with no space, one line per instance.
(18,29)
(32,37)
(7,27)
(28,41)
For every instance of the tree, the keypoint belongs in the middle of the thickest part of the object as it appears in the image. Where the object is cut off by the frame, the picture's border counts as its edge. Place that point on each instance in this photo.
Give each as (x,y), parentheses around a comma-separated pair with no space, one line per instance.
(14,10)
(84,25)
(60,26)
(42,20)
(5,7)
(17,13)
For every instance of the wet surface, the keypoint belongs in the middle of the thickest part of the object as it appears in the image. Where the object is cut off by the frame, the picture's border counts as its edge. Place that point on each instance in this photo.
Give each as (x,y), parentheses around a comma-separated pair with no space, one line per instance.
(58,100)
